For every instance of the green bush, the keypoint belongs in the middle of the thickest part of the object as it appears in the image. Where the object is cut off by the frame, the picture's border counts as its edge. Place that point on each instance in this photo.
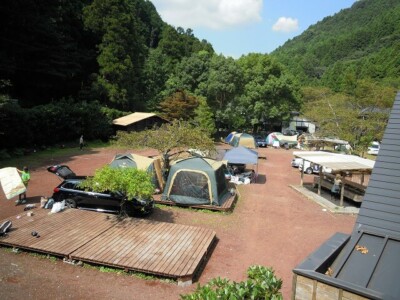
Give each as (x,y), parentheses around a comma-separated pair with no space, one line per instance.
(261,284)
(57,122)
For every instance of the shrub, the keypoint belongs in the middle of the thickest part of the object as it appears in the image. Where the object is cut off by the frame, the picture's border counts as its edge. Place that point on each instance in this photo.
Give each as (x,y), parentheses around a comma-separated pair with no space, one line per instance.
(261,284)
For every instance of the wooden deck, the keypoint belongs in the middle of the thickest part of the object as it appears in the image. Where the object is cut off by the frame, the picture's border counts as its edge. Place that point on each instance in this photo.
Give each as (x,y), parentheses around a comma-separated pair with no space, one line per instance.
(226,207)
(158,248)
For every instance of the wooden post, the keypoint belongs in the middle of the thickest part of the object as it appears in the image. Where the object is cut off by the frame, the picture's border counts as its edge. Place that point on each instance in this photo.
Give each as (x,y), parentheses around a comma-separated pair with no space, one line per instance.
(342,194)
(302,174)
(320,180)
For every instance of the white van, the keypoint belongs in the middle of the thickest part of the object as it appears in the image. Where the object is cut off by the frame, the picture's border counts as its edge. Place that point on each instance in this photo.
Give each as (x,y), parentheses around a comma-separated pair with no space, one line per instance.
(373,149)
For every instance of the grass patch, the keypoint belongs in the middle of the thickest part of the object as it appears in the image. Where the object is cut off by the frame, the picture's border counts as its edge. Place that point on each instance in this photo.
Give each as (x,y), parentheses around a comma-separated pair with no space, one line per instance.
(7,249)
(105,269)
(43,256)
(36,159)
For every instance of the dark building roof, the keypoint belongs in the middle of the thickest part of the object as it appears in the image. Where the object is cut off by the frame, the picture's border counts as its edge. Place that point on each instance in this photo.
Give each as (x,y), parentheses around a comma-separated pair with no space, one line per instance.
(381,205)
(369,263)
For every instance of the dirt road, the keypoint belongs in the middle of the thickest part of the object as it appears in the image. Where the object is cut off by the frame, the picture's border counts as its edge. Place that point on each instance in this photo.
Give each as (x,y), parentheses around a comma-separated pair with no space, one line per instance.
(271,225)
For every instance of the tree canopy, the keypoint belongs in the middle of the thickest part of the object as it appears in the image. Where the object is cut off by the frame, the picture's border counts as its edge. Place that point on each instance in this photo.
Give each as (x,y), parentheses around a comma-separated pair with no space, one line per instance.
(119,56)
(175,136)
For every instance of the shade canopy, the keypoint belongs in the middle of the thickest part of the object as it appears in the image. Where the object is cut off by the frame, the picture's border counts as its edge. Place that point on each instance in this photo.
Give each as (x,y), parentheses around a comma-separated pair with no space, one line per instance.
(337,162)
(241,155)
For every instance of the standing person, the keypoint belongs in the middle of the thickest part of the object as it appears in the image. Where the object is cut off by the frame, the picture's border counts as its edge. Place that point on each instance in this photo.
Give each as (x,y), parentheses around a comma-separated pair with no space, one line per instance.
(81,142)
(25,176)
(336,186)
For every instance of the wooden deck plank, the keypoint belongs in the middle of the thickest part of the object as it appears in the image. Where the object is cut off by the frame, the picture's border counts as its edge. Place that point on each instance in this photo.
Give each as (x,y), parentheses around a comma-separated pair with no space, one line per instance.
(159,253)
(93,246)
(158,248)
(198,255)
(75,234)
(171,253)
(184,250)
(155,254)
(60,233)
(182,263)
(137,238)
(138,254)
(132,243)
(102,245)
(21,232)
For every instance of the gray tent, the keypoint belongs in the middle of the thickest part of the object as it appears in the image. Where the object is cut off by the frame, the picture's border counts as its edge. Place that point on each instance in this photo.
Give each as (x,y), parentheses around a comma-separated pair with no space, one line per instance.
(197,181)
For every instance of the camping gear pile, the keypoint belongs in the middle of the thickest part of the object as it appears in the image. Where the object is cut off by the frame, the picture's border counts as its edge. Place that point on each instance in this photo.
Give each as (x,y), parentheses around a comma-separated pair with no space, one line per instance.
(242,156)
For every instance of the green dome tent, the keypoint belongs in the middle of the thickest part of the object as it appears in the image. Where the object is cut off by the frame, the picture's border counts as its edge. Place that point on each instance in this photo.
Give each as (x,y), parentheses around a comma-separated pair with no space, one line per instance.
(197,181)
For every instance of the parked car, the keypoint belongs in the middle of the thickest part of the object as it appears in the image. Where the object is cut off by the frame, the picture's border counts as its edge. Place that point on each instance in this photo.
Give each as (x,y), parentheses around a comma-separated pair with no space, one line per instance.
(261,141)
(290,132)
(373,149)
(310,168)
(76,197)
(296,162)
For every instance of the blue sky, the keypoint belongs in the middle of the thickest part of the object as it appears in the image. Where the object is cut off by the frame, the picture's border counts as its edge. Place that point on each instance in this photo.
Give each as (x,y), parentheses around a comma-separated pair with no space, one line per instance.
(237,27)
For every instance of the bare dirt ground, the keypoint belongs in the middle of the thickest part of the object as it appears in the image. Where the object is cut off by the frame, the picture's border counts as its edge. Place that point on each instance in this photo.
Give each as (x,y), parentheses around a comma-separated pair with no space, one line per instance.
(271,225)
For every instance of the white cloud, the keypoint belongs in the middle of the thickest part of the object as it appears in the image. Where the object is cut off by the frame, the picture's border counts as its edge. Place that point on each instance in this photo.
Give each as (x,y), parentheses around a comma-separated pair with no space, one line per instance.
(286,24)
(214,14)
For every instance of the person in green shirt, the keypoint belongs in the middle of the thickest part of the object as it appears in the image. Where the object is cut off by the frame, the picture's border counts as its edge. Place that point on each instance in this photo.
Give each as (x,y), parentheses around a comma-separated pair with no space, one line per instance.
(25,176)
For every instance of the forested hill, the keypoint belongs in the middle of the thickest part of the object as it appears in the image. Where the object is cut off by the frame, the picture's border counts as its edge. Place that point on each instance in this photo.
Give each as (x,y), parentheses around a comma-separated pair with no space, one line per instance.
(362,42)
(106,50)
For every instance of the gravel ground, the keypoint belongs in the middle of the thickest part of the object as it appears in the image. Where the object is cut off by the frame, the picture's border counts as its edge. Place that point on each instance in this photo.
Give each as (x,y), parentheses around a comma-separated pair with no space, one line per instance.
(271,225)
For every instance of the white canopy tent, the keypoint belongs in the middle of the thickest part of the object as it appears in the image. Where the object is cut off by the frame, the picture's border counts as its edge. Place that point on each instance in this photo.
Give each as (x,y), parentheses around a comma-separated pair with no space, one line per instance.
(337,163)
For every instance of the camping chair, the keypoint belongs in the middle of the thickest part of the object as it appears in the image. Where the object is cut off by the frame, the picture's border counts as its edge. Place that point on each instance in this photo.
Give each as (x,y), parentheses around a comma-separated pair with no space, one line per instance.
(5,227)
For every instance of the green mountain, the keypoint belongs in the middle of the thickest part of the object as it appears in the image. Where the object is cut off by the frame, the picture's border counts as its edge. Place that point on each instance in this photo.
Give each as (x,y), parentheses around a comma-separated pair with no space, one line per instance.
(362,42)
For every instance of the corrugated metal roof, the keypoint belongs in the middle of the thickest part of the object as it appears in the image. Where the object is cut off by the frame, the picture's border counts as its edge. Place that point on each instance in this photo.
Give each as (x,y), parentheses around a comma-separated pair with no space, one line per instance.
(133,118)
(381,206)
(337,162)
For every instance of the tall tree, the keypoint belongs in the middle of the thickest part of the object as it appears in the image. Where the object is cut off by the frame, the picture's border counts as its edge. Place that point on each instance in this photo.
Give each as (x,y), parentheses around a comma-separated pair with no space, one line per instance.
(224,82)
(122,50)
(180,105)
(45,53)
(176,136)
(359,117)
(269,92)
(190,74)
(204,117)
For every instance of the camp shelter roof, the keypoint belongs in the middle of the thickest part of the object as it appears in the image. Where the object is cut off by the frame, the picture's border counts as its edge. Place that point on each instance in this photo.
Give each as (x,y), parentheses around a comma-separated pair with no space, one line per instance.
(337,162)
(192,162)
(241,155)
(243,139)
(132,160)
(133,118)
(325,141)
(229,137)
